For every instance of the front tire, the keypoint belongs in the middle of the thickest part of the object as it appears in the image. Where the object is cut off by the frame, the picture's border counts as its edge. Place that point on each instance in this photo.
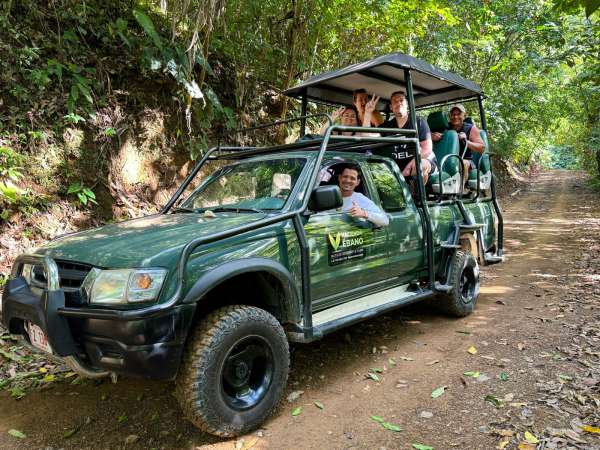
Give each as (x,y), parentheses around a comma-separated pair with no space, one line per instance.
(464,277)
(234,370)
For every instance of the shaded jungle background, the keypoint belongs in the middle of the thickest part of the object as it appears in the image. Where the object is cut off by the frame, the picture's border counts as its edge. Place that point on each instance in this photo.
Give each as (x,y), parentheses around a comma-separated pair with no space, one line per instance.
(105,105)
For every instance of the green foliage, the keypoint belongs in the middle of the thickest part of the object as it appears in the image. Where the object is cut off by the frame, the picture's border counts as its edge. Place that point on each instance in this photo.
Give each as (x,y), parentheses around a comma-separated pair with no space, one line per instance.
(563,158)
(207,64)
(83,194)
(571,6)
(10,163)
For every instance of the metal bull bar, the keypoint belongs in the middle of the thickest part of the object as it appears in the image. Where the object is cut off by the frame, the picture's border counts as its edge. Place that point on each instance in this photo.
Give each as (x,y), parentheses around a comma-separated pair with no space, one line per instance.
(53,299)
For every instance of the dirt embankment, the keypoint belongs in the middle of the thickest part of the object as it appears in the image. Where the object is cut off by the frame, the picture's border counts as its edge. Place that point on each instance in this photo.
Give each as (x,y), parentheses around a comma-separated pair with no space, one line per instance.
(522,372)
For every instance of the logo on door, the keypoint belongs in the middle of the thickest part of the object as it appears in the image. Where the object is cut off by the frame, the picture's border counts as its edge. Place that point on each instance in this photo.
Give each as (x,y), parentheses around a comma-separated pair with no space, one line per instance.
(345,246)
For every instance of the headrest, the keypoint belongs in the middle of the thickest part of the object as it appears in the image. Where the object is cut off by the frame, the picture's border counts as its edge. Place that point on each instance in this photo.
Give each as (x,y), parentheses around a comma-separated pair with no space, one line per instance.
(438,121)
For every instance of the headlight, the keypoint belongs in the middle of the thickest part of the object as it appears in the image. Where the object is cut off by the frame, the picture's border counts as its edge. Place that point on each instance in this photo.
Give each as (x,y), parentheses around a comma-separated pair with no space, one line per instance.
(122,286)
(34,275)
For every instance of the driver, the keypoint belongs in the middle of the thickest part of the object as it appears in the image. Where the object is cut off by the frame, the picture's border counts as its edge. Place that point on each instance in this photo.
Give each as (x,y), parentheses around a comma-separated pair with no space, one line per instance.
(355,203)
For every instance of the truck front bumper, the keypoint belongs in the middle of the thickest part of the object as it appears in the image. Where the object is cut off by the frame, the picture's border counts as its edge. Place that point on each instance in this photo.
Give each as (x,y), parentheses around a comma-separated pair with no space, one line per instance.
(143,345)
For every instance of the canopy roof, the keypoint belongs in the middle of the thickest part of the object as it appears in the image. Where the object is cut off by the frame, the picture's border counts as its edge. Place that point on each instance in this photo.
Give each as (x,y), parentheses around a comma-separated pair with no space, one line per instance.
(382,76)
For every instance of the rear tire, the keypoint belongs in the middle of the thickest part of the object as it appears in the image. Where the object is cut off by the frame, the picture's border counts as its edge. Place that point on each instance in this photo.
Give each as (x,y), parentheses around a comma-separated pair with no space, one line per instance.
(234,370)
(464,277)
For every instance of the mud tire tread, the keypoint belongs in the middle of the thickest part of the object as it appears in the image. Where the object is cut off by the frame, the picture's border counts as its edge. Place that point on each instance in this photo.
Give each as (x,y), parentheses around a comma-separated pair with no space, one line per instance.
(451,303)
(192,388)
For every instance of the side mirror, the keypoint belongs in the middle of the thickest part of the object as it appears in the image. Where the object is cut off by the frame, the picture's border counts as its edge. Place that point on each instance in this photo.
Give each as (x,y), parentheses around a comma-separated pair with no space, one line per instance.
(325,197)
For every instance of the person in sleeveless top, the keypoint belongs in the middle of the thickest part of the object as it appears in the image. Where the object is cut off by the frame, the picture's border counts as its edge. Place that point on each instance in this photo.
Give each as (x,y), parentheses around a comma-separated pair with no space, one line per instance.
(469,138)
(360,100)
(349,117)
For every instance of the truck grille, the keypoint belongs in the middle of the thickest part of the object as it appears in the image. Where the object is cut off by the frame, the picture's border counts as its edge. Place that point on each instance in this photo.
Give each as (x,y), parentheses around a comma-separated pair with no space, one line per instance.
(71,276)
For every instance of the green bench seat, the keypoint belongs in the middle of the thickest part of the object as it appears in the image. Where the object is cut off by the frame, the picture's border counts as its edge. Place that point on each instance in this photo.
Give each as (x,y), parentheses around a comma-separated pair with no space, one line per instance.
(448,179)
(483,167)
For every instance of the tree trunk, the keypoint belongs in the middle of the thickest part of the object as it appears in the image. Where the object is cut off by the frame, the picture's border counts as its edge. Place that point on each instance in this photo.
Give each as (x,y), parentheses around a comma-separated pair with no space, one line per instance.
(291,61)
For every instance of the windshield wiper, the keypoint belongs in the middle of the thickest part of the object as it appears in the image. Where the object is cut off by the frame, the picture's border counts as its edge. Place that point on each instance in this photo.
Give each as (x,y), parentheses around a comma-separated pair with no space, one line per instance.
(187,210)
(236,209)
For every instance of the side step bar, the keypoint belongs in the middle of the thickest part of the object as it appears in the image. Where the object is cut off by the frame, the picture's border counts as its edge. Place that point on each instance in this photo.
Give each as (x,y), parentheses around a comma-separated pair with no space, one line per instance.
(340,316)
(490,258)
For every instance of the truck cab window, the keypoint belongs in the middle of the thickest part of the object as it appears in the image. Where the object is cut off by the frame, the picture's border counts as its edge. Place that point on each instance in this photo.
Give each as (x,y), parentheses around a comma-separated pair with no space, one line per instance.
(389,189)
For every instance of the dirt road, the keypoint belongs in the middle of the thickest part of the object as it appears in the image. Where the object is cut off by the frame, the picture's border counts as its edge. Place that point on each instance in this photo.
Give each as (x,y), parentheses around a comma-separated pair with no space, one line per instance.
(535,337)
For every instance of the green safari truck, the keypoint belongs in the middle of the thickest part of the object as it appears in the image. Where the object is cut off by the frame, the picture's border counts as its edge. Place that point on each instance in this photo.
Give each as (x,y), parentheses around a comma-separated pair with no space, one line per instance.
(258,254)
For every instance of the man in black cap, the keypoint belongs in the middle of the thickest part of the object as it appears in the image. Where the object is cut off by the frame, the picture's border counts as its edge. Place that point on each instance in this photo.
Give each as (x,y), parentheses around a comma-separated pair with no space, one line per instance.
(468,137)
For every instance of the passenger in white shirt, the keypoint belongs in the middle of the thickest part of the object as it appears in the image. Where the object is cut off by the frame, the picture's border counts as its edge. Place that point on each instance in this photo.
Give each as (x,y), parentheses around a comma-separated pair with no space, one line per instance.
(355,203)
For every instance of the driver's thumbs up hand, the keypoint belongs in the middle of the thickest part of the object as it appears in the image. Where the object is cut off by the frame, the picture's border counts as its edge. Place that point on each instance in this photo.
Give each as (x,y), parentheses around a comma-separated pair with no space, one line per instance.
(357,211)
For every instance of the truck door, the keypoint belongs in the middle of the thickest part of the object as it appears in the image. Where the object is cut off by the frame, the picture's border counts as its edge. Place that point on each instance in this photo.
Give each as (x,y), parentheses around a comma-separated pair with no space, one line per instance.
(346,254)
(405,233)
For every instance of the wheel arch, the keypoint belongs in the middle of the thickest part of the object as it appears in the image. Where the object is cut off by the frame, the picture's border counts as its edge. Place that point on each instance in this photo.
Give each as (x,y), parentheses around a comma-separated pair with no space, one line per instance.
(269,278)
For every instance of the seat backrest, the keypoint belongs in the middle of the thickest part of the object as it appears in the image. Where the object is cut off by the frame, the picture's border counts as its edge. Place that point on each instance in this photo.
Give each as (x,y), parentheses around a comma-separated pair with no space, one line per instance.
(438,121)
(485,164)
(448,145)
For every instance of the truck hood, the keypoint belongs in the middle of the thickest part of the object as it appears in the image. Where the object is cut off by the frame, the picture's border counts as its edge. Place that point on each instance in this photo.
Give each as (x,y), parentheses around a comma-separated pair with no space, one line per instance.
(144,242)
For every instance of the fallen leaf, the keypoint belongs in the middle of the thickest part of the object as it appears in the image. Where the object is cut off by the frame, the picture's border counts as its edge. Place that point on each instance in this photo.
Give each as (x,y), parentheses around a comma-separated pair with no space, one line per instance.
(473,374)
(520,346)
(422,447)
(526,446)
(18,434)
(297,411)
(590,429)
(49,378)
(472,350)
(392,361)
(42,370)
(406,358)
(438,392)
(378,419)
(493,400)
(295,395)
(462,332)
(565,377)
(17,393)
(131,439)
(10,356)
(251,443)
(391,427)
(531,438)
(503,443)
(376,369)
(372,376)
(431,363)
(67,434)
(319,405)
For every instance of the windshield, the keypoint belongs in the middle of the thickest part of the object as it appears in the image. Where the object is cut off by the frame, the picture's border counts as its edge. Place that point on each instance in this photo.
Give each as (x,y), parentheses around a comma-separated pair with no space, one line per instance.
(248,185)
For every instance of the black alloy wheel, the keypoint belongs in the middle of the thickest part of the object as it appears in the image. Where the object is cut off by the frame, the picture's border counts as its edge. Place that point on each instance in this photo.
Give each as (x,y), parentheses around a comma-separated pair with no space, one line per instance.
(247,372)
